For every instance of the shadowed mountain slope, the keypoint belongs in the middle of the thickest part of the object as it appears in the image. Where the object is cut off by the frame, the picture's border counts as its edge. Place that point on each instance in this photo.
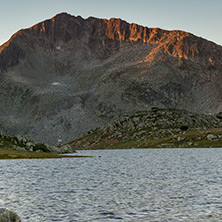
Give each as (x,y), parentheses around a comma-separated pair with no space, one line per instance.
(67,75)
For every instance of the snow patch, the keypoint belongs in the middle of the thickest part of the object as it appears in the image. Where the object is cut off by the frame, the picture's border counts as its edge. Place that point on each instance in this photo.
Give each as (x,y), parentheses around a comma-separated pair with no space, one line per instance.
(58,47)
(56,83)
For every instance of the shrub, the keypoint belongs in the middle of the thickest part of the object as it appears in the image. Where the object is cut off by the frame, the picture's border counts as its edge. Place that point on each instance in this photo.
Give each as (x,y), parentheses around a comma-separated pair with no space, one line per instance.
(184,128)
(42,147)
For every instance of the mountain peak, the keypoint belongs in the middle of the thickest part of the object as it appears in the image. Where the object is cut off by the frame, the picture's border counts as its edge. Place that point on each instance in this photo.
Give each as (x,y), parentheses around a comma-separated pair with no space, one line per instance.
(68,75)
(63,14)
(108,34)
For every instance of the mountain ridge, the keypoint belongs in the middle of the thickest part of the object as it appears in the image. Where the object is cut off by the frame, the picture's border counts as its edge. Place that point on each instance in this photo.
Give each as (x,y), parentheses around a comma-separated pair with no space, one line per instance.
(118,30)
(67,75)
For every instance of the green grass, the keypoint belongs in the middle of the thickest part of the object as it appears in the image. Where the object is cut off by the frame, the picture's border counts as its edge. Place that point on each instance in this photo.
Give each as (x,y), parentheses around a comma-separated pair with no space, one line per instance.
(13,154)
(192,138)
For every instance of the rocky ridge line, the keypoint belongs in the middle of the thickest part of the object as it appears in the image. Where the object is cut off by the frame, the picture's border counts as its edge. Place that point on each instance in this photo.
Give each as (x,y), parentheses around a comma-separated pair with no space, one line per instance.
(65,28)
(156,128)
(67,75)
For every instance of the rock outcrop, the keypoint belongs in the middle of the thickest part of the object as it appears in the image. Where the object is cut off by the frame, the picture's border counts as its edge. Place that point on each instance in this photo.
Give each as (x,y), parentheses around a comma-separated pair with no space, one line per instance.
(155,129)
(67,75)
(8,216)
(23,143)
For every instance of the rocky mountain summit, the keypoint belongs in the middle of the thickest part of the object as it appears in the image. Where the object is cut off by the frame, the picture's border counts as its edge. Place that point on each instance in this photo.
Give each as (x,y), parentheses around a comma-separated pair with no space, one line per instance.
(67,75)
(157,128)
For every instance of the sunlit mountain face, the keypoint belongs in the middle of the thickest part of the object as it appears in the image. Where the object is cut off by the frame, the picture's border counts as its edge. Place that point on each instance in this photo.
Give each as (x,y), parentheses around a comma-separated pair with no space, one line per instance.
(67,75)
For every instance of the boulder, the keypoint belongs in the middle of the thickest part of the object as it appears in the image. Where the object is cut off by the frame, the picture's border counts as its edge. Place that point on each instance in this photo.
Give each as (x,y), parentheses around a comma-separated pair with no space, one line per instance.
(19,138)
(219,115)
(211,137)
(8,216)
(30,145)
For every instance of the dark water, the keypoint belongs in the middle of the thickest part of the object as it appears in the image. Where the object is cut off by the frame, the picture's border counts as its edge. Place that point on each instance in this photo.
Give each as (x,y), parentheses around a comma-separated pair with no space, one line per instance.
(121,185)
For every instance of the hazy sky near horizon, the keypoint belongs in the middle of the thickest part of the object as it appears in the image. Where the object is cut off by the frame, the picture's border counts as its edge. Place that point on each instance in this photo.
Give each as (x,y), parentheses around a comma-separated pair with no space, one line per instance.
(200,17)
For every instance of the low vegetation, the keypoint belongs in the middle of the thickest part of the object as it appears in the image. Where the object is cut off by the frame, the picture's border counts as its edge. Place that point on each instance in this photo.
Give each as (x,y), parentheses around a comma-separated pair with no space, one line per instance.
(21,147)
(23,143)
(157,128)
(14,154)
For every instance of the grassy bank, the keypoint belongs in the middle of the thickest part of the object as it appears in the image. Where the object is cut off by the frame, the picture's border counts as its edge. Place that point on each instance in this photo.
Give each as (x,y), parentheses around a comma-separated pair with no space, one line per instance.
(14,154)
(158,128)
(194,138)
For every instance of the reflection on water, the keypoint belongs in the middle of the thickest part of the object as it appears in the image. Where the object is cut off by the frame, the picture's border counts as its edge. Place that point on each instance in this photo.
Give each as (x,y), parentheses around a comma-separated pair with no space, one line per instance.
(121,185)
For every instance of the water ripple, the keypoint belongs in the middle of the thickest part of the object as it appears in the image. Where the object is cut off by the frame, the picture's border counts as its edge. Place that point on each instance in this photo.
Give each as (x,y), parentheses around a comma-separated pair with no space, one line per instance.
(122,185)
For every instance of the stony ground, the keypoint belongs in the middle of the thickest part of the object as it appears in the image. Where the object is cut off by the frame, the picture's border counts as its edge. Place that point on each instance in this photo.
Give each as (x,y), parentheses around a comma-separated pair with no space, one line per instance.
(157,128)
(21,147)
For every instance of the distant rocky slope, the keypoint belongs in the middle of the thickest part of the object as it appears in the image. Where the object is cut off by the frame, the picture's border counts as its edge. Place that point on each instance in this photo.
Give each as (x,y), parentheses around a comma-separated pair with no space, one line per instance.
(158,128)
(67,75)
(22,143)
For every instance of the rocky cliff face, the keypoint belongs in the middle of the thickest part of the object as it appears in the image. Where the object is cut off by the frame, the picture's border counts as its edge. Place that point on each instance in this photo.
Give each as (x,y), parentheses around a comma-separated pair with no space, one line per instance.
(67,75)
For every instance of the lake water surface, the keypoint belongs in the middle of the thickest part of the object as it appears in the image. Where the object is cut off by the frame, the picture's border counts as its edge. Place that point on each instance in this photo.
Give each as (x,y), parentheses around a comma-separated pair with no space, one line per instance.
(116,185)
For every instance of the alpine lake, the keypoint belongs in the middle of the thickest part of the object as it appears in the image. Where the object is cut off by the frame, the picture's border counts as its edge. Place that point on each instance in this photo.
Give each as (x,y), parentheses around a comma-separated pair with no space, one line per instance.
(116,185)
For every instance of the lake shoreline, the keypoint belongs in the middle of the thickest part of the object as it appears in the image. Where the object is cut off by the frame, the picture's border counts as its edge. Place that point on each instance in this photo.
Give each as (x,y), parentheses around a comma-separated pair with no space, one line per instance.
(6,154)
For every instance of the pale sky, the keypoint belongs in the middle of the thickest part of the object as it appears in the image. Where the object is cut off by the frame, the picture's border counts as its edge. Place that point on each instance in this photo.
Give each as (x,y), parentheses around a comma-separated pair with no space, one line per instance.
(200,17)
